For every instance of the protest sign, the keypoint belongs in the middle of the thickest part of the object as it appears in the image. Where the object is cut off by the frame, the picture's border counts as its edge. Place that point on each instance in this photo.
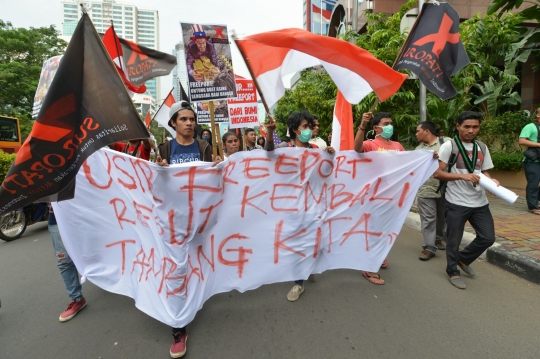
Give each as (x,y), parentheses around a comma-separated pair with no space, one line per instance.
(221,112)
(171,237)
(50,66)
(208,62)
(243,110)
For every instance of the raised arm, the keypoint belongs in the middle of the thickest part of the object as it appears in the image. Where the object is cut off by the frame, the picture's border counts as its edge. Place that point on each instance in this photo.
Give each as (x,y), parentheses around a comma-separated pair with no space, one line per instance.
(359,139)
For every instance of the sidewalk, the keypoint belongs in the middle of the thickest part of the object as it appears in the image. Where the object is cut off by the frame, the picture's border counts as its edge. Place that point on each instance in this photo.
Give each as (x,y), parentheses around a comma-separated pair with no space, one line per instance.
(517,246)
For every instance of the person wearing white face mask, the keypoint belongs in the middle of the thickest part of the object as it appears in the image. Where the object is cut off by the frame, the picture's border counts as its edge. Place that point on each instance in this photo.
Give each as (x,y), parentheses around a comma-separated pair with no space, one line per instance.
(381,123)
(300,125)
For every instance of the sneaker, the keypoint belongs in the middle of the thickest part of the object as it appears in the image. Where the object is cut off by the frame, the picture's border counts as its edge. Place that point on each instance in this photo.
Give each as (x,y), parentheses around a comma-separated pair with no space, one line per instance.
(178,347)
(426,255)
(72,310)
(295,292)
(440,245)
(467,269)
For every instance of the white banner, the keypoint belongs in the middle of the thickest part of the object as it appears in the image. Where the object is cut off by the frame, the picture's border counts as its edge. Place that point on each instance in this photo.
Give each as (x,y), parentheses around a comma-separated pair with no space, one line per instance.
(171,237)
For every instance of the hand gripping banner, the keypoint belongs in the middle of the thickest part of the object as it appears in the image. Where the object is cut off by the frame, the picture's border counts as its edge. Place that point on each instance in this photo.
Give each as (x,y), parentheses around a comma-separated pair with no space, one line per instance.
(171,237)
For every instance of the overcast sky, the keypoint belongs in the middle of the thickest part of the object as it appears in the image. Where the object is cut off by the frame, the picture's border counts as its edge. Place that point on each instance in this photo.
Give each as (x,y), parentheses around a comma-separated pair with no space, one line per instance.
(246,17)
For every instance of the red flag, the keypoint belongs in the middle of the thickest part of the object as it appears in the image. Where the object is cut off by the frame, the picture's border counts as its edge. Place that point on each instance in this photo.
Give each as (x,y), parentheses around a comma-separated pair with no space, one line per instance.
(342,125)
(162,115)
(114,48)
(147,119)
(356,72)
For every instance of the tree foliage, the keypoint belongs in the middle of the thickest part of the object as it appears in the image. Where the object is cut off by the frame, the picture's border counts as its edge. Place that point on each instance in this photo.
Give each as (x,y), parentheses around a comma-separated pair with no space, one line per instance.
(22,52)
(495,45)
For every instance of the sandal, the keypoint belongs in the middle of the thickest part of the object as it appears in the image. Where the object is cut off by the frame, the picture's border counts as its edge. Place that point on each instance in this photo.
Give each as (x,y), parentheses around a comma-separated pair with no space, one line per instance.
(374,278)
(535,211)
(384,263)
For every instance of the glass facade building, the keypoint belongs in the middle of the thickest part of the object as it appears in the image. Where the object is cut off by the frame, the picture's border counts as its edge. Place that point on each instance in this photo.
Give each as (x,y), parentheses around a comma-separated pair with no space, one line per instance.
(317,14)
(131,23)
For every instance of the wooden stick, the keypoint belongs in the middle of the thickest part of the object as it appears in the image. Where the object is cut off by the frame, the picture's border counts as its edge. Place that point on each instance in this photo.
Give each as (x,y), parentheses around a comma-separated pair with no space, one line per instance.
(220,144)
(213,125)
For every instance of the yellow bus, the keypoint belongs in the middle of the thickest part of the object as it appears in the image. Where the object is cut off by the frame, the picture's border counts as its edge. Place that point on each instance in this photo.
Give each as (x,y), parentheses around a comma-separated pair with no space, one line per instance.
(10,134)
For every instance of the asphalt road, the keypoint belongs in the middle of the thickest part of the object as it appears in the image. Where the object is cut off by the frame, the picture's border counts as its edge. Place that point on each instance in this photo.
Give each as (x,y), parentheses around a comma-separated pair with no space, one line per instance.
(417,314)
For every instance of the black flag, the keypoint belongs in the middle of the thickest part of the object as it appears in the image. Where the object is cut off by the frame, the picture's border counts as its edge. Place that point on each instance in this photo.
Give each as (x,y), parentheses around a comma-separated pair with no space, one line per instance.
(433,50)
(87,107)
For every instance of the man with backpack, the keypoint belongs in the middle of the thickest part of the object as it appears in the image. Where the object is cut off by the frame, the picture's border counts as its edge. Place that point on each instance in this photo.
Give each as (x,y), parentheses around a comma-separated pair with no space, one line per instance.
(461,161)
(429,201)
(530,137)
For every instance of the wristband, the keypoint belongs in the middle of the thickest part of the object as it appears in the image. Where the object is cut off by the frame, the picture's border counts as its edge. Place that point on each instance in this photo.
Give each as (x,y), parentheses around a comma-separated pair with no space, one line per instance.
(360,128)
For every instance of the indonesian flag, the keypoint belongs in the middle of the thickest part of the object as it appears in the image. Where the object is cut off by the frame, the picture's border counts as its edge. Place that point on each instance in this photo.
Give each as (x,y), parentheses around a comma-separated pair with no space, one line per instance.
(114,48)
(162,115)
(342,125)
(275,54)
(147,119)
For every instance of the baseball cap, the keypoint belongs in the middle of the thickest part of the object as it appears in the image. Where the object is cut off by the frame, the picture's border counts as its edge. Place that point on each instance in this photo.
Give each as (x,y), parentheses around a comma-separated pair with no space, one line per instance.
(180,105)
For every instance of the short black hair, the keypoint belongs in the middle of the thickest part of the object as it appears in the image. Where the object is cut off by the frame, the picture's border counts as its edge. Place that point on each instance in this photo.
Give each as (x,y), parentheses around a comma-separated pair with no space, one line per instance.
(430,126)
(295,119)
(227,135)
(378,117)
(207,130)
(248,130)
(438,129)
(469,115)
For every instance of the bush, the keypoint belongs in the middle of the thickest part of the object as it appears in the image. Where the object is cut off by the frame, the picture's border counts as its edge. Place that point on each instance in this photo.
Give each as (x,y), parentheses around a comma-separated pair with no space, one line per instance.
(5,163)
(507,161)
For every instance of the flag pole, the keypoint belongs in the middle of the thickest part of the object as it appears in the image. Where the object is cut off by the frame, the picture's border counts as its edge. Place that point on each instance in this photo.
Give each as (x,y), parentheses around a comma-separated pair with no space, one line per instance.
(422,95)
(246,60)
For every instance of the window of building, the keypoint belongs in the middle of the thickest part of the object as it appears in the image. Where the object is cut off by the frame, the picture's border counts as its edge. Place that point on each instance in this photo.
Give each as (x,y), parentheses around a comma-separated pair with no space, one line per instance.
(70,11)
(146,13)
(146,36)
(128,22)
(117,17)
(146,32)
(117,12)
(145,18)
(129,18)
(70,6)
(129,27)
(70,16)
(146,22)
(96,10)
(96,16)
(117,7)
(146,27)
(128,8)
(129,32)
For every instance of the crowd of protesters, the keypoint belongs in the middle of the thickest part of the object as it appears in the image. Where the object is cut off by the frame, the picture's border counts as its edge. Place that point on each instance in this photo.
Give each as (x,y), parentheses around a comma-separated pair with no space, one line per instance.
(446,201)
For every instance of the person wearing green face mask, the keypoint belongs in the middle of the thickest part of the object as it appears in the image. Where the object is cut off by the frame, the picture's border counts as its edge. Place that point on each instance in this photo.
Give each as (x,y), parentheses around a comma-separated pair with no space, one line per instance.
(300,125)
(381,124)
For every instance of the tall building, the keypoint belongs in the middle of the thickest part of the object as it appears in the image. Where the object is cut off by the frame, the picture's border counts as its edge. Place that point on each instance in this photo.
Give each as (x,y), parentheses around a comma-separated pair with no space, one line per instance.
(317,14)
(180,74)
(130,22)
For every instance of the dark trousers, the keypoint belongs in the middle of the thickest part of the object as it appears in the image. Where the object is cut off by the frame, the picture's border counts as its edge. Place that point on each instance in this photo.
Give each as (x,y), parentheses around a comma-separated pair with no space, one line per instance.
(481,220)
(532,174)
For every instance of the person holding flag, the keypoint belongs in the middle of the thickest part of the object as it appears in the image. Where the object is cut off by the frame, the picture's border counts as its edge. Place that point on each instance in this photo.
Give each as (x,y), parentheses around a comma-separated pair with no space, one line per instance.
(300,125)
(381,123)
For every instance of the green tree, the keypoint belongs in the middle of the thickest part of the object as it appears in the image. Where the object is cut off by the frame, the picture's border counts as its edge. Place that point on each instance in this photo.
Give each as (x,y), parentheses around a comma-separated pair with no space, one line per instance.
(22,52)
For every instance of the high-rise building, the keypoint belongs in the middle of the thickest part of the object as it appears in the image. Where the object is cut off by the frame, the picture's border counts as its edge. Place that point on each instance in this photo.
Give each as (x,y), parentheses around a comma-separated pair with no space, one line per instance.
(180,75)
(317,15)
(130,22)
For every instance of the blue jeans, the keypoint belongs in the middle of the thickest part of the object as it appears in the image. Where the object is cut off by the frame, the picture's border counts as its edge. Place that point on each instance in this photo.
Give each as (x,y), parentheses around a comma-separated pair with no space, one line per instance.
(65,264)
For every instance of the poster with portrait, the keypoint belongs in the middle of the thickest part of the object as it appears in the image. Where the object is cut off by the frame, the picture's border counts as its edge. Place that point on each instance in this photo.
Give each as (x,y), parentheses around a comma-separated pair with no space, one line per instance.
(50,66)
(221,112)
(208,62)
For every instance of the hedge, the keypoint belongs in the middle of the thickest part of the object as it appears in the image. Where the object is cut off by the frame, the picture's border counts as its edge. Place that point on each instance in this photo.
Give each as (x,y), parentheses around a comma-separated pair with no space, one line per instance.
(5,163)
(507,161)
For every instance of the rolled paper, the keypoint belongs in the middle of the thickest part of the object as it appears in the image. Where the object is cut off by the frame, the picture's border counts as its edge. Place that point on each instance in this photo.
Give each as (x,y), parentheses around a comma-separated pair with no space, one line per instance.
(503,193)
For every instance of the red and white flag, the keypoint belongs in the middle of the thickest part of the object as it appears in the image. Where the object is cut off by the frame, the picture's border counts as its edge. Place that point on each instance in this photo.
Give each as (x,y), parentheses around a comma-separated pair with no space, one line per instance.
(162,115)
(319,15)
(147,119)
(275,54)
(114,48)
(342,125)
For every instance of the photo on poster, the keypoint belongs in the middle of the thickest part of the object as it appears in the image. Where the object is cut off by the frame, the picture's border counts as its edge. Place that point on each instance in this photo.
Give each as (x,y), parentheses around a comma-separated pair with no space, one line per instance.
(221,112)
(208,62)
(50,66)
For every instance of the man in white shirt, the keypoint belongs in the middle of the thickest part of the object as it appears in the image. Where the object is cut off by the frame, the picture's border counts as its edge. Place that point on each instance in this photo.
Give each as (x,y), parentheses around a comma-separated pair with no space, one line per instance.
(465,200)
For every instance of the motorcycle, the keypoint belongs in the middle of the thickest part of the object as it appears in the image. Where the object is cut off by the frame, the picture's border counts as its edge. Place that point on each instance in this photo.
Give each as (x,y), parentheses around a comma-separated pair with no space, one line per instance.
(14,223)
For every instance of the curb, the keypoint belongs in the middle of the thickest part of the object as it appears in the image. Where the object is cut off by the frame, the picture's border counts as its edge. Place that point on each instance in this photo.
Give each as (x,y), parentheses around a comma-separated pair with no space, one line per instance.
(512,261)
